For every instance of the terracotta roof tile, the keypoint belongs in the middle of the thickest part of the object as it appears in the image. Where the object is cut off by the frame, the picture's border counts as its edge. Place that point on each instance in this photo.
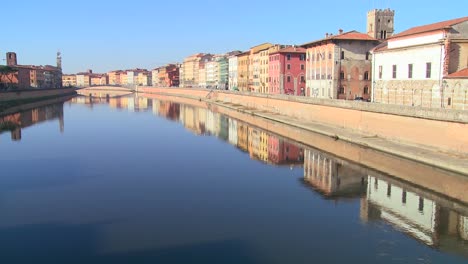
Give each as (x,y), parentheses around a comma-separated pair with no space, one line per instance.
(291,50)
(459,74)
(430,27)
(351,35)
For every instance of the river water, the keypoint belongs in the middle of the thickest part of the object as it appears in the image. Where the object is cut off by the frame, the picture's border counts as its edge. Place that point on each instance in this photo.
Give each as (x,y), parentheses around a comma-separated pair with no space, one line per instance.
(134,179)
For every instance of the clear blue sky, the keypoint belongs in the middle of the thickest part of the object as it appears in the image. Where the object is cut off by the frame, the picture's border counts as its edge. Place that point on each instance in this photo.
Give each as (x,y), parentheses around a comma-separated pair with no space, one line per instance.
(108,35)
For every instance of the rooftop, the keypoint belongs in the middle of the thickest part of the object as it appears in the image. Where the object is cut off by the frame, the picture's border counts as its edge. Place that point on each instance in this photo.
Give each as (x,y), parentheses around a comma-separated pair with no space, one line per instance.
(350,35)
(459,74)
(290,50)
(430,27)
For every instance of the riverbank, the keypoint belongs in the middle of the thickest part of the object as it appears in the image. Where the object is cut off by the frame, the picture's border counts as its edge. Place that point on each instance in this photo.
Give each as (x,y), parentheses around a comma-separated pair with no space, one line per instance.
(442,158)
(14,99)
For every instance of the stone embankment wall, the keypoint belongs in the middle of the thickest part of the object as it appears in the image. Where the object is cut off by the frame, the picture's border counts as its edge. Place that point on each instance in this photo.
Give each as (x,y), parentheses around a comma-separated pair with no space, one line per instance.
(435,128)
(6,96)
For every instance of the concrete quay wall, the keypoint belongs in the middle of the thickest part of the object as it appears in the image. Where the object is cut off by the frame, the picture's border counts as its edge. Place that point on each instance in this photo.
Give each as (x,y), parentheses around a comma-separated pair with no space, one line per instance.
(445,130)
(28,94)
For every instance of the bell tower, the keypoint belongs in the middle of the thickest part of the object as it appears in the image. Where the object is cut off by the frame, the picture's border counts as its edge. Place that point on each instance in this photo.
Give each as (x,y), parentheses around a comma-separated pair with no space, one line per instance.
(59,60)
(380,23)
(11,59)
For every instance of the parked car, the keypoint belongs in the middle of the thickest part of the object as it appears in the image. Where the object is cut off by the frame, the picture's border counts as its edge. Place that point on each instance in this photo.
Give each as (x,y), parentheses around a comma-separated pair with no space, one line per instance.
(361,99)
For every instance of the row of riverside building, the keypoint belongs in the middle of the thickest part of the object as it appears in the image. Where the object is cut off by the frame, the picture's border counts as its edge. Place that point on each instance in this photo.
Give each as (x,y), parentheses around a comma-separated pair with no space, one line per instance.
(30,76)
(165,76)
(423,66)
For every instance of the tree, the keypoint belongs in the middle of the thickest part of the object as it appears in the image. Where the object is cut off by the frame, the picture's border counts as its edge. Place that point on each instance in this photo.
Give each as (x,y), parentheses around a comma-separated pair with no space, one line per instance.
(7,75)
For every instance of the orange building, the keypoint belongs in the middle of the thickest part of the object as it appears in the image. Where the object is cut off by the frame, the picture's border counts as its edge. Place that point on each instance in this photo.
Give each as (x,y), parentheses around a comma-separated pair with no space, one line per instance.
(114,77)
(18,78)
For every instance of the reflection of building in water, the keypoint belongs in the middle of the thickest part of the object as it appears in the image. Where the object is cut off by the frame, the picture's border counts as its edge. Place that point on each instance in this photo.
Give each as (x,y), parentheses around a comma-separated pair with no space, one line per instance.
(167,109)
(16,122)
(194,119)
(233,132)
(242,136)
(280,152)
(254,143)
(212,123)
(416,215)
(141,103)
(331,177)
(263,146)
(223,128)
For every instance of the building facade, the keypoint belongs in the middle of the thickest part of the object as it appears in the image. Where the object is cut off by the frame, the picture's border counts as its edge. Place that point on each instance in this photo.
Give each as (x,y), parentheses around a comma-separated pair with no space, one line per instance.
(69,80)
(190,74)
(410,67)
(287,71)
(233,73)
(339,66)
(380,23)
(243,61)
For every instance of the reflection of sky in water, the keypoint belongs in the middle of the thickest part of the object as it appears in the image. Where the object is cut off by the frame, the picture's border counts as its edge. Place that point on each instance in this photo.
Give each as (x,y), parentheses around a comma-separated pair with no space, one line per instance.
(124,184)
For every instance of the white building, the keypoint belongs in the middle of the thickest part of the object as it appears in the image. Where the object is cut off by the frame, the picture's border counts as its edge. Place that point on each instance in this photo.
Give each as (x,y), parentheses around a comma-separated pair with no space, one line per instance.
(233,62)
(212,76)
(410,67)
(233,132)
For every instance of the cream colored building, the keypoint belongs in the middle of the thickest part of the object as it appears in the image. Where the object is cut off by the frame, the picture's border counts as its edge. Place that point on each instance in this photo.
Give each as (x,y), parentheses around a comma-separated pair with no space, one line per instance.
(189,75)
(69,80)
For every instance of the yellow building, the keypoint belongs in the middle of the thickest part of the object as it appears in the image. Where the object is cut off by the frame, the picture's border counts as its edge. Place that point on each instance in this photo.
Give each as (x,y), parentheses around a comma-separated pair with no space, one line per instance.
(144,78)
(255,63)
(243,71)
(69,80)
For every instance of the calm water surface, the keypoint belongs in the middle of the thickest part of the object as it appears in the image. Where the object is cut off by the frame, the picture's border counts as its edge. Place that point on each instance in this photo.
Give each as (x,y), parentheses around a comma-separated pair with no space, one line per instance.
(139,180)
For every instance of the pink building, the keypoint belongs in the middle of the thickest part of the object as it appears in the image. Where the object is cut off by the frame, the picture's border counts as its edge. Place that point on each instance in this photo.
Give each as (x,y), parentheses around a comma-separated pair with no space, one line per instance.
(287,71)
(281,152)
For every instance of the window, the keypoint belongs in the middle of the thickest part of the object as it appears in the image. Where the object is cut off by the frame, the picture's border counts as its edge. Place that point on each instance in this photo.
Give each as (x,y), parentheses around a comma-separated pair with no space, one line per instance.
(367,55)
(329,56)
(366,75)
(410,71)
(289,79)
(428,69)
(302,67)
(342,75)
(302,58)
(394,69)
(288,66)
(341,90)
(288,57)
(302,79)
(342,55)
(366,90)
(403,197)
(421,204)
(389,190)
(380,72)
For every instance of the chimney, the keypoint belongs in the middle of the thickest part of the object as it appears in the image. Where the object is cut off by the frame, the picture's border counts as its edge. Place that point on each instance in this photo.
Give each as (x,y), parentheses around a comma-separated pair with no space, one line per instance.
(326,35)
(90,71)
(340,31)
